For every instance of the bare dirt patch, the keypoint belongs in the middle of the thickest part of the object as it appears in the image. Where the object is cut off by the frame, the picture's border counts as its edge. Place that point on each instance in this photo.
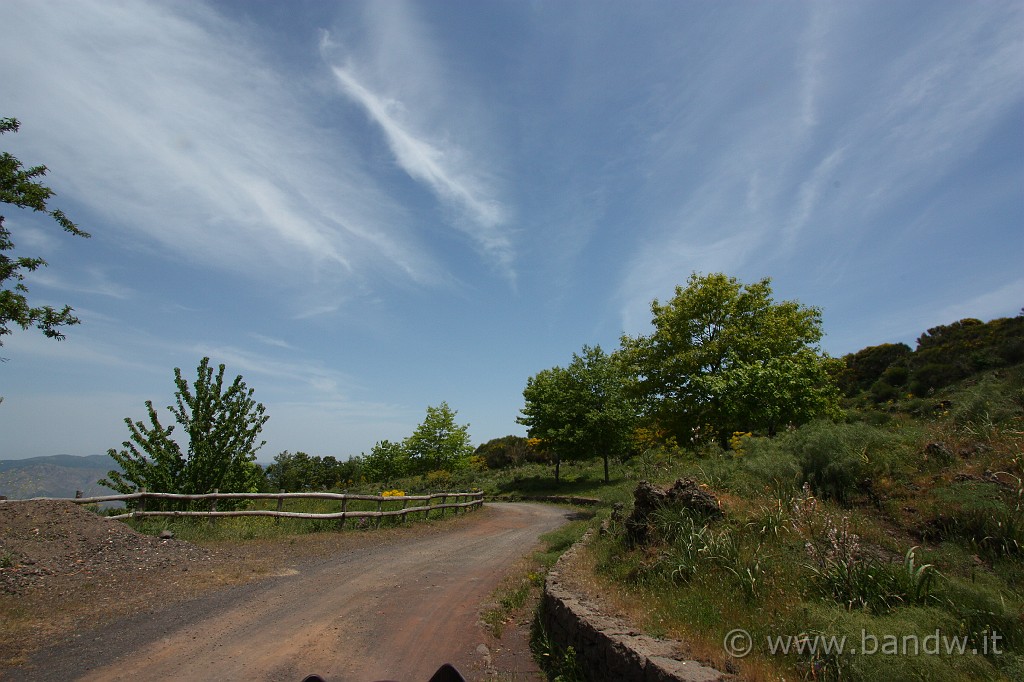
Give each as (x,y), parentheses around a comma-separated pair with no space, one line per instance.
(64,568)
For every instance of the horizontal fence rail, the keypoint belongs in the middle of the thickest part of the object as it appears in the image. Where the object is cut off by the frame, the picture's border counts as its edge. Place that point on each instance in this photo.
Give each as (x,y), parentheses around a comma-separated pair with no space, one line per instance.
(465,501)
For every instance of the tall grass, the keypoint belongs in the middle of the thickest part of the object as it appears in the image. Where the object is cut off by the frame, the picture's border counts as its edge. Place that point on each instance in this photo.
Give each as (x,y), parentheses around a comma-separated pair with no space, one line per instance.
(850,530)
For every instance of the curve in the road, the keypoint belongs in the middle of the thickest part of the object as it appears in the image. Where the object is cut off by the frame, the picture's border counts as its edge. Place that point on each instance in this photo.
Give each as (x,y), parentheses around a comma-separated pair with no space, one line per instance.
(391,611)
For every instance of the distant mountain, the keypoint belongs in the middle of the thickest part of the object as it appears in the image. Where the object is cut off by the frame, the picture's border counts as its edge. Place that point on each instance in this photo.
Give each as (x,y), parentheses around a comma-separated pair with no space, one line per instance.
(55,476)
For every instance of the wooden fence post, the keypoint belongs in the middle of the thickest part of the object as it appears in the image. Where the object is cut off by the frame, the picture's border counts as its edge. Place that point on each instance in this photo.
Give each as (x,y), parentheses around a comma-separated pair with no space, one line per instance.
(280,506)
(213,506)
(344,511)
(380,507)
(405,503)
(141,506)
(78,494)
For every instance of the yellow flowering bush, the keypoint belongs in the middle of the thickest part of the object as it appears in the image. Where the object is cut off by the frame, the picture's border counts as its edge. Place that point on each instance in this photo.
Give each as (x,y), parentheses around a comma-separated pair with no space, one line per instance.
(737,441)
(393,493)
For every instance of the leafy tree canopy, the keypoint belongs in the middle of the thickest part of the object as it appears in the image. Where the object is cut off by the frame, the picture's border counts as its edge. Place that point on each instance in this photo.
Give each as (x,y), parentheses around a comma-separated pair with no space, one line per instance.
(298,472)
(507,451)
(583,410)
(221,423)
(439,443)
(866,366)
(725,357)
(386,462)
(944,354)
(20,186)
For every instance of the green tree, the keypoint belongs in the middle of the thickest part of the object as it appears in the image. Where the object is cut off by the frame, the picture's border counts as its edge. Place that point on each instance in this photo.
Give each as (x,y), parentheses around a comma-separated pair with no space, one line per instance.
(725,357)
(289,472)
(386,462)
(583,410)
(502,452)
(20,186)
(866,366)
(296,472)
(548,413)
(221,424)
(948,353)
(438,443)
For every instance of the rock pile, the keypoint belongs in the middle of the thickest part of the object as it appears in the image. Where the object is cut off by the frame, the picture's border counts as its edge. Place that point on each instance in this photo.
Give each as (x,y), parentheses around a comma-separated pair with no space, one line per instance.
(684,494)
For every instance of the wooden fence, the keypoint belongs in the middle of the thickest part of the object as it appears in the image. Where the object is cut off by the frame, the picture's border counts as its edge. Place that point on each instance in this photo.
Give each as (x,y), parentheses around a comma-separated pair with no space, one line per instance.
(463,501)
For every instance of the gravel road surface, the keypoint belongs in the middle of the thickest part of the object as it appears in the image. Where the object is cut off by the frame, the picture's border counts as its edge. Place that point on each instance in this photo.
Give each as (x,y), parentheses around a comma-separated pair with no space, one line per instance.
(393,611)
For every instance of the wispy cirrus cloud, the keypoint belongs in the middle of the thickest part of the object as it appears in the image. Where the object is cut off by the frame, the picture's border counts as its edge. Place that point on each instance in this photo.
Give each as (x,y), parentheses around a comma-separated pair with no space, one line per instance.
(93,281)
(185,135)
(833,154)
(1004,301)
(395,76)
(431,165)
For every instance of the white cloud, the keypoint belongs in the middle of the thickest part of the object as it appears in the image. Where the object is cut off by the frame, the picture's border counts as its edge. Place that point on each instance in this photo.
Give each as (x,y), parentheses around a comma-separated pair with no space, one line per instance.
(316,311)
(808,170)
(95,281)
(180,130)
(394,74)
(432,165)
(291,375)
(271,341)
(1004,301)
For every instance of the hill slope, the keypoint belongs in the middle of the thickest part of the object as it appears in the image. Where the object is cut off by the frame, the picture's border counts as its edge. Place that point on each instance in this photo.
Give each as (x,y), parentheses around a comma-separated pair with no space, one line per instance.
(55,476)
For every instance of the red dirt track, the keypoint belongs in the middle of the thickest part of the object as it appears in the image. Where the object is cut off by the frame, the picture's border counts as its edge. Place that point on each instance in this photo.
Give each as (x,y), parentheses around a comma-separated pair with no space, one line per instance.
(393,611)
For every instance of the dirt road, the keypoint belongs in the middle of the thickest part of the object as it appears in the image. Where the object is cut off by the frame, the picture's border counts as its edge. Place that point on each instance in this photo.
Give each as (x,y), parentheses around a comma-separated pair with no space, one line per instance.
(392,611)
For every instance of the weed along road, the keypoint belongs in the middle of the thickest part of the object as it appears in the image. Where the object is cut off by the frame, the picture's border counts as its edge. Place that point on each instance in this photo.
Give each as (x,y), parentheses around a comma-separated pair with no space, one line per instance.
(391,610)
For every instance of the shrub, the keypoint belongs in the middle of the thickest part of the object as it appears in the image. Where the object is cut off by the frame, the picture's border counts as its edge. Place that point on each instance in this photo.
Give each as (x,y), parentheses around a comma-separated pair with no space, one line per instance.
(866,366)
(773,466)
(828,458)
(882,391)
(987,515)
(438,479)
(837,459)
(981,409)
(503,452)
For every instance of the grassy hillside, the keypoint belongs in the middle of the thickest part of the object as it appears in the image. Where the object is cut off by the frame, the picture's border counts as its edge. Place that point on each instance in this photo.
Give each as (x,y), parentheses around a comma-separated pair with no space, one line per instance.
(900,529)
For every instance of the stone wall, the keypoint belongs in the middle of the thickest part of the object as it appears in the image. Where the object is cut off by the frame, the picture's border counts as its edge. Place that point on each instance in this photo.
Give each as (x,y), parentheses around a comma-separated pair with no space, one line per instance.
(607,648)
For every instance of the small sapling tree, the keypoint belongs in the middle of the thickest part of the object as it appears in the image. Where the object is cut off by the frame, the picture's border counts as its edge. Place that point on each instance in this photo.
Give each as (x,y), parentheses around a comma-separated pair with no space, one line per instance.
(222,425)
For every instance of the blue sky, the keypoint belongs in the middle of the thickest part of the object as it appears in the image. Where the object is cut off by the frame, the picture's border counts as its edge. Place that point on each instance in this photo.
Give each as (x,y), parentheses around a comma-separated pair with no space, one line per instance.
(369,208)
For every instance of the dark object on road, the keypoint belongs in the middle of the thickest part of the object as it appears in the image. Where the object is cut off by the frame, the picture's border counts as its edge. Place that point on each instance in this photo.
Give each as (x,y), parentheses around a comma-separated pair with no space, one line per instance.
(446,673)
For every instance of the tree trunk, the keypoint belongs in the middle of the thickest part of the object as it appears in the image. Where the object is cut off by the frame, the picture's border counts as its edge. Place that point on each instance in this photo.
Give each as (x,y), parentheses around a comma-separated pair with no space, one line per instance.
(558,462)
(606,467)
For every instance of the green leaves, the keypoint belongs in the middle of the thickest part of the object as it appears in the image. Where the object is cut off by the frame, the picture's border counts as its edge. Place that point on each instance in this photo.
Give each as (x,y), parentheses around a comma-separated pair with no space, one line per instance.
(583,410)
(20,186)
(725,354)
(222,427)
(438,443)
(386,462)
